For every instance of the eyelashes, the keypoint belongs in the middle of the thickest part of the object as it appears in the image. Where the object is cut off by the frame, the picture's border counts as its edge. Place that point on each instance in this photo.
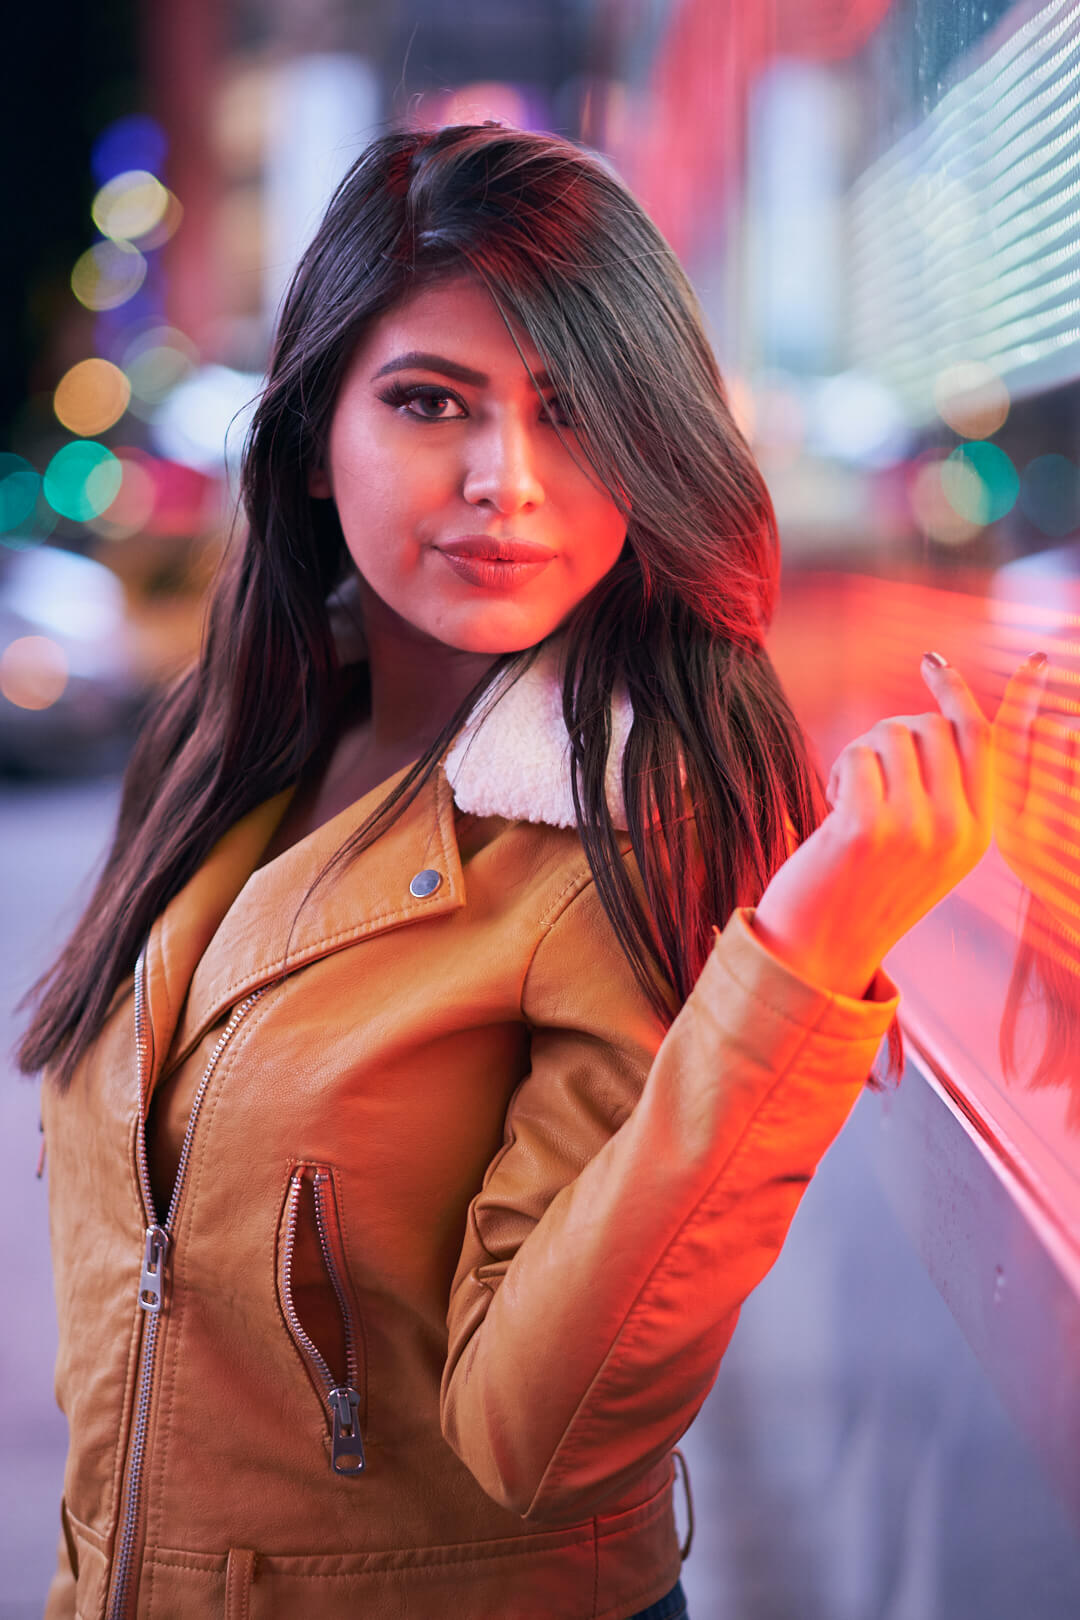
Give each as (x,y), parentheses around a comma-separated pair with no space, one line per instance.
(401,396)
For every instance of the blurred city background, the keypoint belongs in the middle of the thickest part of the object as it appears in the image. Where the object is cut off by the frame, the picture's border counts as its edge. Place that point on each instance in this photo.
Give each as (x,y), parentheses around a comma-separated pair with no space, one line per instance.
(879,205)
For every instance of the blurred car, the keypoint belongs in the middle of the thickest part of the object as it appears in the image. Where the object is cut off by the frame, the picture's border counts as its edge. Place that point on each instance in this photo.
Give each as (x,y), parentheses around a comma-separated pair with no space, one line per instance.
(71,691)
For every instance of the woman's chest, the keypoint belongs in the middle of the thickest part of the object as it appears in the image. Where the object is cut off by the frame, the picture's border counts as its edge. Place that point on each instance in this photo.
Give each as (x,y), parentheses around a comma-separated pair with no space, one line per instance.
(393,1063)
(355,769)
(376,1029)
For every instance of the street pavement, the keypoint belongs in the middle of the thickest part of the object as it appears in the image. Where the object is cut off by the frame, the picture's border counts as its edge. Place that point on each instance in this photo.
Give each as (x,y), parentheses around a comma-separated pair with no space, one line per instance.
(851,1463)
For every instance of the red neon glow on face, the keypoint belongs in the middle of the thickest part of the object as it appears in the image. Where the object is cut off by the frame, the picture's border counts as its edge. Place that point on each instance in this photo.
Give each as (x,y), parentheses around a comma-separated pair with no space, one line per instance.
(439,446)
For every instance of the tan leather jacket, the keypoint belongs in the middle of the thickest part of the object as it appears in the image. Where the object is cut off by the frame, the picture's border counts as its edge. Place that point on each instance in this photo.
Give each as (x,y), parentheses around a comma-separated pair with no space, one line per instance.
(447,1200)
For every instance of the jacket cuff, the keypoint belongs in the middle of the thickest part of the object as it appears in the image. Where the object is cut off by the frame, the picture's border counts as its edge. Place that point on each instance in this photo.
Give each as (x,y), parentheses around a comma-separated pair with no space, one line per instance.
(740,955)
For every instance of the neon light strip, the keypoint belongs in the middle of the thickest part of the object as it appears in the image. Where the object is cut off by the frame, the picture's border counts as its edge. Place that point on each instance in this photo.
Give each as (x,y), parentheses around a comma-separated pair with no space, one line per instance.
(976,283)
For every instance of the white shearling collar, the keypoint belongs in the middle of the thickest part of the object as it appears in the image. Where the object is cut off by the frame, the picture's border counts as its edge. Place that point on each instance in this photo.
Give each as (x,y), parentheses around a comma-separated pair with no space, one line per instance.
(514,759)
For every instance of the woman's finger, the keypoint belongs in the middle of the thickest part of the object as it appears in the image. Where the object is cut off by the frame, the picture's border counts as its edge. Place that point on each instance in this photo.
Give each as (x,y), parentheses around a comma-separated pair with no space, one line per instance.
(1013,726)
(857,782)
(899,751)
(972,732)
(918,758)
(942,772)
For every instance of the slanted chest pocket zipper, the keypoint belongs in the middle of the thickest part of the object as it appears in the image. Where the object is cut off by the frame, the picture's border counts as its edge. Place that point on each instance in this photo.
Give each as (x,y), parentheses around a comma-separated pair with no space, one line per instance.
(341,1390)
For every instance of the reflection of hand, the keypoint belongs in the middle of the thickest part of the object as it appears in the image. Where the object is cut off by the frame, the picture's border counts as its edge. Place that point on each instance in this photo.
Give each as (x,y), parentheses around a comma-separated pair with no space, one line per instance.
(1035,780)
(911,815)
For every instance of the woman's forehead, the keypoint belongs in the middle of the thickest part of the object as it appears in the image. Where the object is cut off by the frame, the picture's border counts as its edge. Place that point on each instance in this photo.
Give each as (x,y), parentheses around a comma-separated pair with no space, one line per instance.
(456,319)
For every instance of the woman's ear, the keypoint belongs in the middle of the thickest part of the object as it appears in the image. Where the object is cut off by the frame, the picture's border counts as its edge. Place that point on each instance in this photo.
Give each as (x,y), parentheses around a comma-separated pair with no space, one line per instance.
(318,484)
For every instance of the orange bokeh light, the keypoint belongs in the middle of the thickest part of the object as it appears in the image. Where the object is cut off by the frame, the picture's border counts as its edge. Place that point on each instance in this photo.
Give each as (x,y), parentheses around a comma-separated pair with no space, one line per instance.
(91,396)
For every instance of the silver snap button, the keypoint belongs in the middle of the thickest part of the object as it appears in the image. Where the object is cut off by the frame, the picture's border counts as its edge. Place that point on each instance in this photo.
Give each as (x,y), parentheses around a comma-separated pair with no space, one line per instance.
(425,882)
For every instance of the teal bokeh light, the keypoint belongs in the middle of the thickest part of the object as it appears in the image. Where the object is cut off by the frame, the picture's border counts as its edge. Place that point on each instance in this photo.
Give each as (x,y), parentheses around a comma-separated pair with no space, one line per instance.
(20,485)
(82,479)
(1050,495)
(998,482)
(26,517)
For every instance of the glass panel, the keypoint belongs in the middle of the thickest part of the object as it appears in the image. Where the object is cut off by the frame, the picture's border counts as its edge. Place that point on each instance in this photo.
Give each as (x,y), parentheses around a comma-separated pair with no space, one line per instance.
(880,206)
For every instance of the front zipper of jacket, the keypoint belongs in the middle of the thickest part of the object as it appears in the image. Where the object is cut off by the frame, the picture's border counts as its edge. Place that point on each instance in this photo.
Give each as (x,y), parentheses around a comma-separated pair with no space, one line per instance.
(342,1400)
(151,1290)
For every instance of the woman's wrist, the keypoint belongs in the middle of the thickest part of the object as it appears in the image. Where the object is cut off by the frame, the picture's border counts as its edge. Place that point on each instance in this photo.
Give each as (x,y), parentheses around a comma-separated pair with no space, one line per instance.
(806,959)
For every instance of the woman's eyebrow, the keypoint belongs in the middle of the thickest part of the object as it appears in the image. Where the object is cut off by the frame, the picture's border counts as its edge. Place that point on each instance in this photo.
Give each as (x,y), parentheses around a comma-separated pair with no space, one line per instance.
(420,361)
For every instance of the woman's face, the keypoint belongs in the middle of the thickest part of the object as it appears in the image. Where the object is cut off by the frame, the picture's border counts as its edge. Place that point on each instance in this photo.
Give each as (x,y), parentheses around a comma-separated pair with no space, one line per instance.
(445,467)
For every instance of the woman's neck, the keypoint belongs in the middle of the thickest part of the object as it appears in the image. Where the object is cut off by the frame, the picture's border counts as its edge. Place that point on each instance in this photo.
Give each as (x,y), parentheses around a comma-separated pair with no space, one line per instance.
(416,682)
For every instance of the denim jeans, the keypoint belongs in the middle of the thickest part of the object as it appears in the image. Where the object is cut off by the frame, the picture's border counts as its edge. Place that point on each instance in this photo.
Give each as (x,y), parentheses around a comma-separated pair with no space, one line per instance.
(672,1606)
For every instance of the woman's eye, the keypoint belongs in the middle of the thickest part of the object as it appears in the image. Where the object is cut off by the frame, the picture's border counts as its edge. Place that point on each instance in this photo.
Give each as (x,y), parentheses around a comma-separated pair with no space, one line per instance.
(426,403)
(435,406)
(556,412)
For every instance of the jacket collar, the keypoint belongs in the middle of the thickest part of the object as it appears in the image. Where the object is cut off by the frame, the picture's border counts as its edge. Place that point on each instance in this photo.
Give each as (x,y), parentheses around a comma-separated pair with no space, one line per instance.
(512,757)
(234,926)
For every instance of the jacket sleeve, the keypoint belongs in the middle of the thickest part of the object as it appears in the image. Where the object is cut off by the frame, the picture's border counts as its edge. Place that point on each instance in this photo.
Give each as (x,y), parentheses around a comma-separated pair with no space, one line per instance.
(645,1185)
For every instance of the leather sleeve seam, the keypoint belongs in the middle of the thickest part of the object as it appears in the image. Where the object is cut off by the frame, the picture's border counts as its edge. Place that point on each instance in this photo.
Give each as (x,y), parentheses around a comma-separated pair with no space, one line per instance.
(579,881)
(578,884)
(692,1217)
(828,1000)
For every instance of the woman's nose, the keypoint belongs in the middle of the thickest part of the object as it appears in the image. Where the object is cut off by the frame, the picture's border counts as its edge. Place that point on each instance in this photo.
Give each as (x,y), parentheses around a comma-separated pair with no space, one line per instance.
(502,468)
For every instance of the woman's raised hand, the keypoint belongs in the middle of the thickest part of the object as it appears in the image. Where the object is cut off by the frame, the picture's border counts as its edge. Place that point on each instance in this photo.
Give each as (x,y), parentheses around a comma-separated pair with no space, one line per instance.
(911,814)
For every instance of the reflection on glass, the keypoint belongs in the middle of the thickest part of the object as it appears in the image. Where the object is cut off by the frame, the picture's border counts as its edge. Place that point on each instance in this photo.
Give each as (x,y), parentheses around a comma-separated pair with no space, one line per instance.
(884,223)
(964,278)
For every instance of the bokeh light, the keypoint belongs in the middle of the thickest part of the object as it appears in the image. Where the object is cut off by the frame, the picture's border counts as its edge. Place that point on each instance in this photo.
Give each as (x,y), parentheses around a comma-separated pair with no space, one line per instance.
(486,98)
(115,328)
(740,398)
(931,508)
(33,672)
(980,482)
(1050,495)
(20,486)
(779,421)
(971,399)
(128,143)
(855,418)
(203,422)
(108,274)
(82,479)
(165,227)
(131,508)
(91,396)
(129,205)
(182,497)
(33,529)
(155,361)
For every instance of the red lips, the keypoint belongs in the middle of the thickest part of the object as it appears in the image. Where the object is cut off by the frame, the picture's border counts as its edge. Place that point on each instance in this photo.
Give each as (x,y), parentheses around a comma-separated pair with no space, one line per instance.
(485,548)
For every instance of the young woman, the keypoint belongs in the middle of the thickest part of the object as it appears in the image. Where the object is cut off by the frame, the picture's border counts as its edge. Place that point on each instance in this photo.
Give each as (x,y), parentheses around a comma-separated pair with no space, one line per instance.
(447,1044)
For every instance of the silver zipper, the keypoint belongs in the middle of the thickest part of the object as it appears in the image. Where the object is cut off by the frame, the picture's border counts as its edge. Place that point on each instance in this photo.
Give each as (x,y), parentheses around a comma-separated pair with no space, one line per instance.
(151,1291)
(346,1445)
(325,1212)
(343,1400)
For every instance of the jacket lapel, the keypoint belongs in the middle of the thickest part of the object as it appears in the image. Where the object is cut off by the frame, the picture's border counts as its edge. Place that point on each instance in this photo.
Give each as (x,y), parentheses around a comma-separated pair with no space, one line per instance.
(235,927)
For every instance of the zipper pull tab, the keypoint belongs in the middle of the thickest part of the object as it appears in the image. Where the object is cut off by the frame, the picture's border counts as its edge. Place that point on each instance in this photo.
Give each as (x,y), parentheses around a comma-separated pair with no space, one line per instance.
(346,1446)
(152,1281)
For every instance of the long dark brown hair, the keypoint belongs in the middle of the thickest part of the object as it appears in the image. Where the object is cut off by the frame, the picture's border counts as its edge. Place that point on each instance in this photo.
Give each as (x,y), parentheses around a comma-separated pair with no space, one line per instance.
(715,758)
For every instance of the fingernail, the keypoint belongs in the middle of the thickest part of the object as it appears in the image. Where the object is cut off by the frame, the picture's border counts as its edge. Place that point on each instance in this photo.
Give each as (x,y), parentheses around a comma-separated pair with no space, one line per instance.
(1037,660)
(936,659)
